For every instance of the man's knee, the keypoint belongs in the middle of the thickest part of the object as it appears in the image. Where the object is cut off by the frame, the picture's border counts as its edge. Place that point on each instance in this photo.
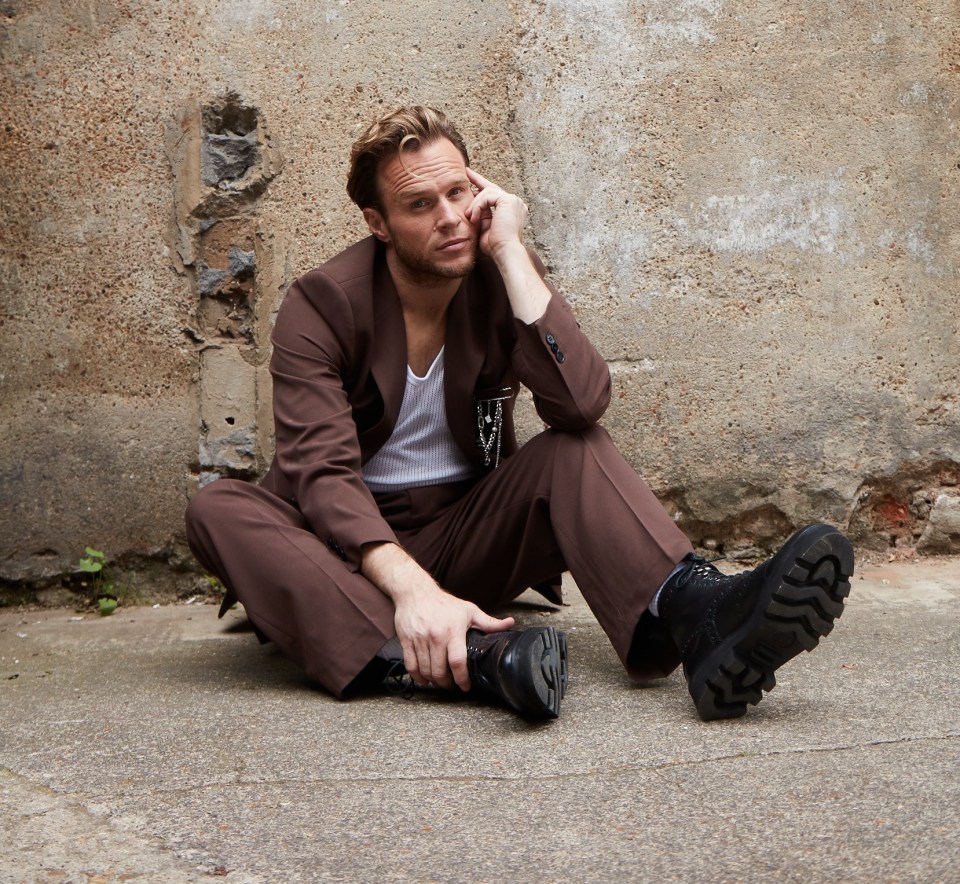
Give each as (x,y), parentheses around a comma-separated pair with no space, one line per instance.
(208,504)
(566,444)
(551,438)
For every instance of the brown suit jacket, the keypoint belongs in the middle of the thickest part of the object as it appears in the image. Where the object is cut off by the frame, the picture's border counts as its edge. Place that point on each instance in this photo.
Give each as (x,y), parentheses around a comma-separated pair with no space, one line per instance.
(339,371)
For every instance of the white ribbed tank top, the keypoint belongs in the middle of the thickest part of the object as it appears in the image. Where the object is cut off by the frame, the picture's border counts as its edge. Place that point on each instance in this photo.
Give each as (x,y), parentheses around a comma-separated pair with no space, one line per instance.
(421,450)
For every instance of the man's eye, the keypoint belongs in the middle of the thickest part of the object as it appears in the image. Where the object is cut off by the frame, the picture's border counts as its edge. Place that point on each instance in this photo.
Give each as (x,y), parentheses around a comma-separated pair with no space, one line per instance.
(418,204)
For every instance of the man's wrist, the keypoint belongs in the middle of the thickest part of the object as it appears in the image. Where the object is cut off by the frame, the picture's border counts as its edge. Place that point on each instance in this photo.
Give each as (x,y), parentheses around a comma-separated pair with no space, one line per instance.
(510,254)
(395,572)
(528,294)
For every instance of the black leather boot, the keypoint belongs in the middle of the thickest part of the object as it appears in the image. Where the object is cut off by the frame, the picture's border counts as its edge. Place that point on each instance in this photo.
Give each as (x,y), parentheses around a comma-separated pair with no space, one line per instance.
(524,669)
(735,631)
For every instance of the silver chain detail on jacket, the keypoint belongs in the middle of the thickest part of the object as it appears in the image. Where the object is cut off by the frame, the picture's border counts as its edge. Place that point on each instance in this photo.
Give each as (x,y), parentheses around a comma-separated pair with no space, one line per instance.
(490,426)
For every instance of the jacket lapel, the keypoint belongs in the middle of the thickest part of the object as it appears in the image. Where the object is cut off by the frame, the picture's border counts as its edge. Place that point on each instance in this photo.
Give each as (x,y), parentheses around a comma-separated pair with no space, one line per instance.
(388,363)
(463,360)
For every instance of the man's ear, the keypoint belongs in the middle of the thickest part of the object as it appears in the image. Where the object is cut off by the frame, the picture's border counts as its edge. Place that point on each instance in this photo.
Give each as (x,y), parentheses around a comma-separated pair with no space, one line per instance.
(375,222)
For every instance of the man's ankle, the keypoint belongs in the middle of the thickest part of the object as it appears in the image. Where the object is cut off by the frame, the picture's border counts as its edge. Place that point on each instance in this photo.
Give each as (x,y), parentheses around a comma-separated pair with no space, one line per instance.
(654,606)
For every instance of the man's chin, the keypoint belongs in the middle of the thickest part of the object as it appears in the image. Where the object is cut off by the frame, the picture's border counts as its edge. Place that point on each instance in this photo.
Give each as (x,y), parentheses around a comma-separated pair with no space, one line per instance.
(439,269)
(429,267)
(459,269)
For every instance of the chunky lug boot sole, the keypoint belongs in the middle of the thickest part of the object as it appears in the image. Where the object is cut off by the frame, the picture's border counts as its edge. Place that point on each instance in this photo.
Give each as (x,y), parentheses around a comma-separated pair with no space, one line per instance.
(533,672)
(801,597)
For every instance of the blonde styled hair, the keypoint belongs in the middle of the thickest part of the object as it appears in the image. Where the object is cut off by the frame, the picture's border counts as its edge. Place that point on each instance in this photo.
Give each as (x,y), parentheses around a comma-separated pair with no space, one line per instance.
(407,128)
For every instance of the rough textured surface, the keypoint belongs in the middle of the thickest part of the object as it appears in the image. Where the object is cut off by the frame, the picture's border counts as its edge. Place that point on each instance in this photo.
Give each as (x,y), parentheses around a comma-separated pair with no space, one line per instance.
(752,206)
(943,527)
(165,745)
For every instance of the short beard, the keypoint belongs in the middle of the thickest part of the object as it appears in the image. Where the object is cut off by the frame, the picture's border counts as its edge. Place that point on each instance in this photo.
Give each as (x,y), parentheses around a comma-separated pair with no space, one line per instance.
(423,271)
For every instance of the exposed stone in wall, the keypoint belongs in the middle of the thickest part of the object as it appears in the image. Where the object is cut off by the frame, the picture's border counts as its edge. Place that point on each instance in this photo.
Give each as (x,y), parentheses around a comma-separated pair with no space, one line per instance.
(744,534)
(223,162)
(231,145)
(942,533)
(916,507)
(228,400)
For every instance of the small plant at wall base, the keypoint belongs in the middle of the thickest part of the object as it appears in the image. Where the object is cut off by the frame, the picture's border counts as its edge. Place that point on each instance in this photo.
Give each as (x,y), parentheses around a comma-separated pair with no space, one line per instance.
(94,563)
(217,588)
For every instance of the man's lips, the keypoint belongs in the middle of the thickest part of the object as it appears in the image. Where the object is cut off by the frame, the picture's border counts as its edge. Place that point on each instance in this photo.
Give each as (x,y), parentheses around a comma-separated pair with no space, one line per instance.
(455,245)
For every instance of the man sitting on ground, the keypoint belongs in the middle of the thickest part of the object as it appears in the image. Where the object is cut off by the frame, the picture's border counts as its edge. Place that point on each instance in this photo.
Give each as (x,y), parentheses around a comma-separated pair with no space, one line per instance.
(399,509)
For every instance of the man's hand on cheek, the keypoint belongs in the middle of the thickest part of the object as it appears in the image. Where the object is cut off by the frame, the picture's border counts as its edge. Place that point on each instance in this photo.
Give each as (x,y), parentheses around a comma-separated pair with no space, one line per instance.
(497,215)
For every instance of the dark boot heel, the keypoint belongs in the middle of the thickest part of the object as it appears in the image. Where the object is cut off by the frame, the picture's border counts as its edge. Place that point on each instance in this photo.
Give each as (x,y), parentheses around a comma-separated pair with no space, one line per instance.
(526,670)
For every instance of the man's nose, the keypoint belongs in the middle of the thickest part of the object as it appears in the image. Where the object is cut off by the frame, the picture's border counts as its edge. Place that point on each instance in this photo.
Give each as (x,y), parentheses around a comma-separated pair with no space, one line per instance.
(447,214)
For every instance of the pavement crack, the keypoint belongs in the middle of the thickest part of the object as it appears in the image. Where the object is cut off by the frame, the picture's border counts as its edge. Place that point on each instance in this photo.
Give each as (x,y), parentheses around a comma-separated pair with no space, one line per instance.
(526,776)
(804,750)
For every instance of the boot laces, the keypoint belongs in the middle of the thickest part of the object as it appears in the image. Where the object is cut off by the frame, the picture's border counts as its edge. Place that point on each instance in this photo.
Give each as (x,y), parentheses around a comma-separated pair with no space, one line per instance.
(398,682)
(700,569)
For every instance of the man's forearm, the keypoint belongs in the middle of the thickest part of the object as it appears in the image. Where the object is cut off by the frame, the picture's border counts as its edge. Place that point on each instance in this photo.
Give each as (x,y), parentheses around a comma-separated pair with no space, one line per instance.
(431,624)
(395,572)
(527,292)
(499,217)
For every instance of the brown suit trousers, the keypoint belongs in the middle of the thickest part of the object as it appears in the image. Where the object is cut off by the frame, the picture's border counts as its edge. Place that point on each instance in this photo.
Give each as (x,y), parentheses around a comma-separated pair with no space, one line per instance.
(564,501)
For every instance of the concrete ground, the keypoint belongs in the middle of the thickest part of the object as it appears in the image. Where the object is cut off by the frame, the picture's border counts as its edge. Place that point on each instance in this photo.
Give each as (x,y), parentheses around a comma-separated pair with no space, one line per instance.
(163,745)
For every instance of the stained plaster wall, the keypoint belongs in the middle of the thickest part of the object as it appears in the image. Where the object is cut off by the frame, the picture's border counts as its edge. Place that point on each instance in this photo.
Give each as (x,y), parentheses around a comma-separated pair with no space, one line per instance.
(752,207)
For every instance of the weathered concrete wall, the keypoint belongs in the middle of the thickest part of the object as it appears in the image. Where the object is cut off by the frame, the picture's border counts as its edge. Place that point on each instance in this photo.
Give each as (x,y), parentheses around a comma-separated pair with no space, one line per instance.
(753,207)
(759,220)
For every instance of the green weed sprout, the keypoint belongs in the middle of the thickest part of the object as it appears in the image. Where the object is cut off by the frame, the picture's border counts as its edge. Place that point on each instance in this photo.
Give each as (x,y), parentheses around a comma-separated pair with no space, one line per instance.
(94,563)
